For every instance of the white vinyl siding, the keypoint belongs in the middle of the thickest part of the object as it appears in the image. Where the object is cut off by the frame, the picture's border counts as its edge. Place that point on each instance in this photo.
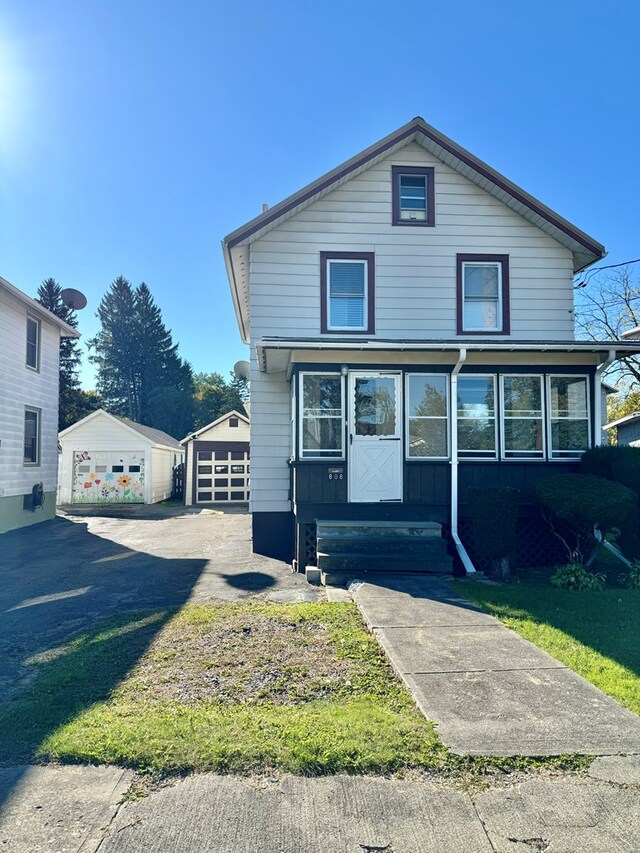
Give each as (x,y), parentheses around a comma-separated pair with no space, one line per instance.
(415,277)
(21,387)
(415,287)
(224,432)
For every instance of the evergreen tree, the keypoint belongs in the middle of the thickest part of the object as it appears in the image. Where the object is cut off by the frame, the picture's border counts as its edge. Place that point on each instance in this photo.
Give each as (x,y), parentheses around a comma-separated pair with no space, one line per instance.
(140,373)
(215,397)
(115,350)
(49,296)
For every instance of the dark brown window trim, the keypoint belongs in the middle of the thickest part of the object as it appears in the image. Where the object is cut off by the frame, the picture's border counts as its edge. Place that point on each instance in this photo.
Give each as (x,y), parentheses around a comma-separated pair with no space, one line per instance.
(429,174)
(506,320)
(369,257)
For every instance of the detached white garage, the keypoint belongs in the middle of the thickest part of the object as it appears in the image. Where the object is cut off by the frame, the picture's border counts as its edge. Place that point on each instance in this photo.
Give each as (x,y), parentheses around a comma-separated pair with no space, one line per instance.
(106,459)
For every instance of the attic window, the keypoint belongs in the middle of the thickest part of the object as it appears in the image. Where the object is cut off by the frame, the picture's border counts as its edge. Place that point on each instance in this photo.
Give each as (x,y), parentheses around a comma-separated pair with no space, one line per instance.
(233,422)
(413,196)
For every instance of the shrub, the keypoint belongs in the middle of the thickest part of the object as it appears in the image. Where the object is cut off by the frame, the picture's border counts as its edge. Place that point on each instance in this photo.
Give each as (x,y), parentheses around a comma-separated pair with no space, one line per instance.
(575,576)
(494,513)
(582,502)
(622,465)
(631,579)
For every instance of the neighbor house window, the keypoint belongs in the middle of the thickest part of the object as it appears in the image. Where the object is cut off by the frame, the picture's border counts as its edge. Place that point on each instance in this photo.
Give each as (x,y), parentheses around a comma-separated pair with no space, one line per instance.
(483,294)
(427,416)
(31,436)
(522,417)
(477,417)
(347,292)
(321,416)
(413,195)
(33,343)
(568,416)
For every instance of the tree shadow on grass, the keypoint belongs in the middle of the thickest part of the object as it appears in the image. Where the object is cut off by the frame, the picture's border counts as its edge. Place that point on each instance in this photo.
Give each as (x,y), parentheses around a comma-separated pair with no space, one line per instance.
(78,611)
(605,622)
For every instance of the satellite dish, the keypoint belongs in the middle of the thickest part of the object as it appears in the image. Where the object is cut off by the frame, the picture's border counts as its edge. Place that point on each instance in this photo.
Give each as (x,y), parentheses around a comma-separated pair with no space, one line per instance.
(73,299)
(242,370)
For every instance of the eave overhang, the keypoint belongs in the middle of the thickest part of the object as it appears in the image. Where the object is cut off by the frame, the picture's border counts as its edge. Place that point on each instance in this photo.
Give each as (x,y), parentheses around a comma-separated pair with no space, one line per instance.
(274,354)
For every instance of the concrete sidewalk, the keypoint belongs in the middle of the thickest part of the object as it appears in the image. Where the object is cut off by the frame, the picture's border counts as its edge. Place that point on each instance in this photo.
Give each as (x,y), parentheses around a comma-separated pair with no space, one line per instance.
(489,691)
(85,810)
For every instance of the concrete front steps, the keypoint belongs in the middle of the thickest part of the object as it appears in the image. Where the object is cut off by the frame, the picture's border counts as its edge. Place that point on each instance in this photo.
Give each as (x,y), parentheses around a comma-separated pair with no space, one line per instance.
(355,549)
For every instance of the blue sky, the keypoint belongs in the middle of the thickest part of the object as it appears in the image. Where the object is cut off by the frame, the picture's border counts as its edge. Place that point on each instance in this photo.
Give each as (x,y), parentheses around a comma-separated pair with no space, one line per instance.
(134,135)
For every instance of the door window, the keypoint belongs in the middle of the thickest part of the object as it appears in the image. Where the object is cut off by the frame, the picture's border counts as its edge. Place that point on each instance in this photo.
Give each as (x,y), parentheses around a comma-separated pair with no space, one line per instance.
(375,406)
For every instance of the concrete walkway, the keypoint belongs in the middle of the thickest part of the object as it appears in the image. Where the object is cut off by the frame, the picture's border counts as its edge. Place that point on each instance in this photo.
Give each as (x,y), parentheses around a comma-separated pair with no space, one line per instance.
(489,691)
(86,810)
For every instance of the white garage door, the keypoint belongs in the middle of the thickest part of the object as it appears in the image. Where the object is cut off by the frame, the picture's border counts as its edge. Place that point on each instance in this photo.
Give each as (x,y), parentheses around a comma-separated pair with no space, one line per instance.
(108,476)
(222,476)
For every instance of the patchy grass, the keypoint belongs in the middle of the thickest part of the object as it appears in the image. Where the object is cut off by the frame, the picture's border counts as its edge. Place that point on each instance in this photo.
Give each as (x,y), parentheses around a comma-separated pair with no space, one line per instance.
(230,687)
(593,633)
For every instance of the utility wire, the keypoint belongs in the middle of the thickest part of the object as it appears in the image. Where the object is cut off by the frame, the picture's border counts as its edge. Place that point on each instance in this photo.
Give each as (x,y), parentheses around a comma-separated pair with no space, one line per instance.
(585,281)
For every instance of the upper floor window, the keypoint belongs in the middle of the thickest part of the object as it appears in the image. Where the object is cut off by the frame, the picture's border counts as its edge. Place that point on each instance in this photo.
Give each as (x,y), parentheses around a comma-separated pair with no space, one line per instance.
(347,292)
(413,196)
(31,436)
(33,343)
(483,294)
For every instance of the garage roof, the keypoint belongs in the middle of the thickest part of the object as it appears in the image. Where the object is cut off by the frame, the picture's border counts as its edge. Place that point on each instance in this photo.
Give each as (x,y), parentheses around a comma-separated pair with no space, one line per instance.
(156,436)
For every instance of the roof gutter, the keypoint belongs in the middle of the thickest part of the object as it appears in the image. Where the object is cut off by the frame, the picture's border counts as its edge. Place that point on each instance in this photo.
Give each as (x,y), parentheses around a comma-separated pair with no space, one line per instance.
(445,346)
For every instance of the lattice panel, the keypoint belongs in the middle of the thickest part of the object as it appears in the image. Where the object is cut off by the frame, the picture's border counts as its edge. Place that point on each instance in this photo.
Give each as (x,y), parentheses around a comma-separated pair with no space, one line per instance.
(310,544)
(536,546)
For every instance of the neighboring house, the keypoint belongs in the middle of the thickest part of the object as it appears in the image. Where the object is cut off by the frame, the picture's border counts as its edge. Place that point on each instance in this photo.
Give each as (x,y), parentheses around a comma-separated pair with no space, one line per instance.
(628,429)
(29,386)
(410,316)
(106,459)
(217,461)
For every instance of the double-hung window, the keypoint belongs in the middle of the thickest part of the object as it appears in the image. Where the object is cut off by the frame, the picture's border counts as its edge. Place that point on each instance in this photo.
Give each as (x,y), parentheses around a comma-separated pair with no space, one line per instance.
(568,416)
(31,436)
(427,416)
(347,292)
(321,416)
(522,417)
(483,294)
(413,196)
(32,358)
(477,417)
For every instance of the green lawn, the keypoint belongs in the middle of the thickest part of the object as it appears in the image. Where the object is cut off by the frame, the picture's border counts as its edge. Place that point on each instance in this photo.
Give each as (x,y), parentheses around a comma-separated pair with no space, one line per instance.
(227,687)
(593,633)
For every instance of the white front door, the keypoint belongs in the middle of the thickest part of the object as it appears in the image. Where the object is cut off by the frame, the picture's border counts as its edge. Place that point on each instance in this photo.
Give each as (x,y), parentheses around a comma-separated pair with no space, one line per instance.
(375,436)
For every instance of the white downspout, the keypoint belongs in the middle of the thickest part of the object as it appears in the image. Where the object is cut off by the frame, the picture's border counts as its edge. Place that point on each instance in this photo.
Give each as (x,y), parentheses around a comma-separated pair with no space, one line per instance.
(597,393)
(462,552)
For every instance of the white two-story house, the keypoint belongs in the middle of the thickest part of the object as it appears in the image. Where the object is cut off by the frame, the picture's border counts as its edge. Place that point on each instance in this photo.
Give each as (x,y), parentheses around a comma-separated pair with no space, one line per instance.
(410,316)
(29,386)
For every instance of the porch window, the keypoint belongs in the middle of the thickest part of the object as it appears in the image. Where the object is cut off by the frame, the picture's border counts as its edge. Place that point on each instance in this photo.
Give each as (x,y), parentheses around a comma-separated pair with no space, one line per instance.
(522,417)
(427,416)
(347,292)
(568,416)
(477,417)
(322,416)
(483,294)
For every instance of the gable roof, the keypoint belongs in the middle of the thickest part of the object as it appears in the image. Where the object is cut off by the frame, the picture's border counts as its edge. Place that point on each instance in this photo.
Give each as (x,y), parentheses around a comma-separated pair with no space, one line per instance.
(155,436)
(627,419)
(35,307)
(585,249)
(232,414)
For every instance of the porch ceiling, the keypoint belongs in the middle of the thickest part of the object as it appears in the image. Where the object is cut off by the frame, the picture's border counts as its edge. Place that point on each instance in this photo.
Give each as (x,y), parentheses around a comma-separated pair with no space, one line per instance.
(276,355)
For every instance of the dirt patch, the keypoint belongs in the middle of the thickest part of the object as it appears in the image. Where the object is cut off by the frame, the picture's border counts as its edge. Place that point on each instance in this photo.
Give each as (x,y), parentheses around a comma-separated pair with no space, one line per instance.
(247,657)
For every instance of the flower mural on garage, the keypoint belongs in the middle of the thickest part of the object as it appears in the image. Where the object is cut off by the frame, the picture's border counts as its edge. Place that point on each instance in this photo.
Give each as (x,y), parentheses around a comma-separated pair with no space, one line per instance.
(96,481)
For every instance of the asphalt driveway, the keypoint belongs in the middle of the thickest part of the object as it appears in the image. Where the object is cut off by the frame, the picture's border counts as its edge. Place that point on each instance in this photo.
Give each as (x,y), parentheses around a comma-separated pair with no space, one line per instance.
(61,576)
